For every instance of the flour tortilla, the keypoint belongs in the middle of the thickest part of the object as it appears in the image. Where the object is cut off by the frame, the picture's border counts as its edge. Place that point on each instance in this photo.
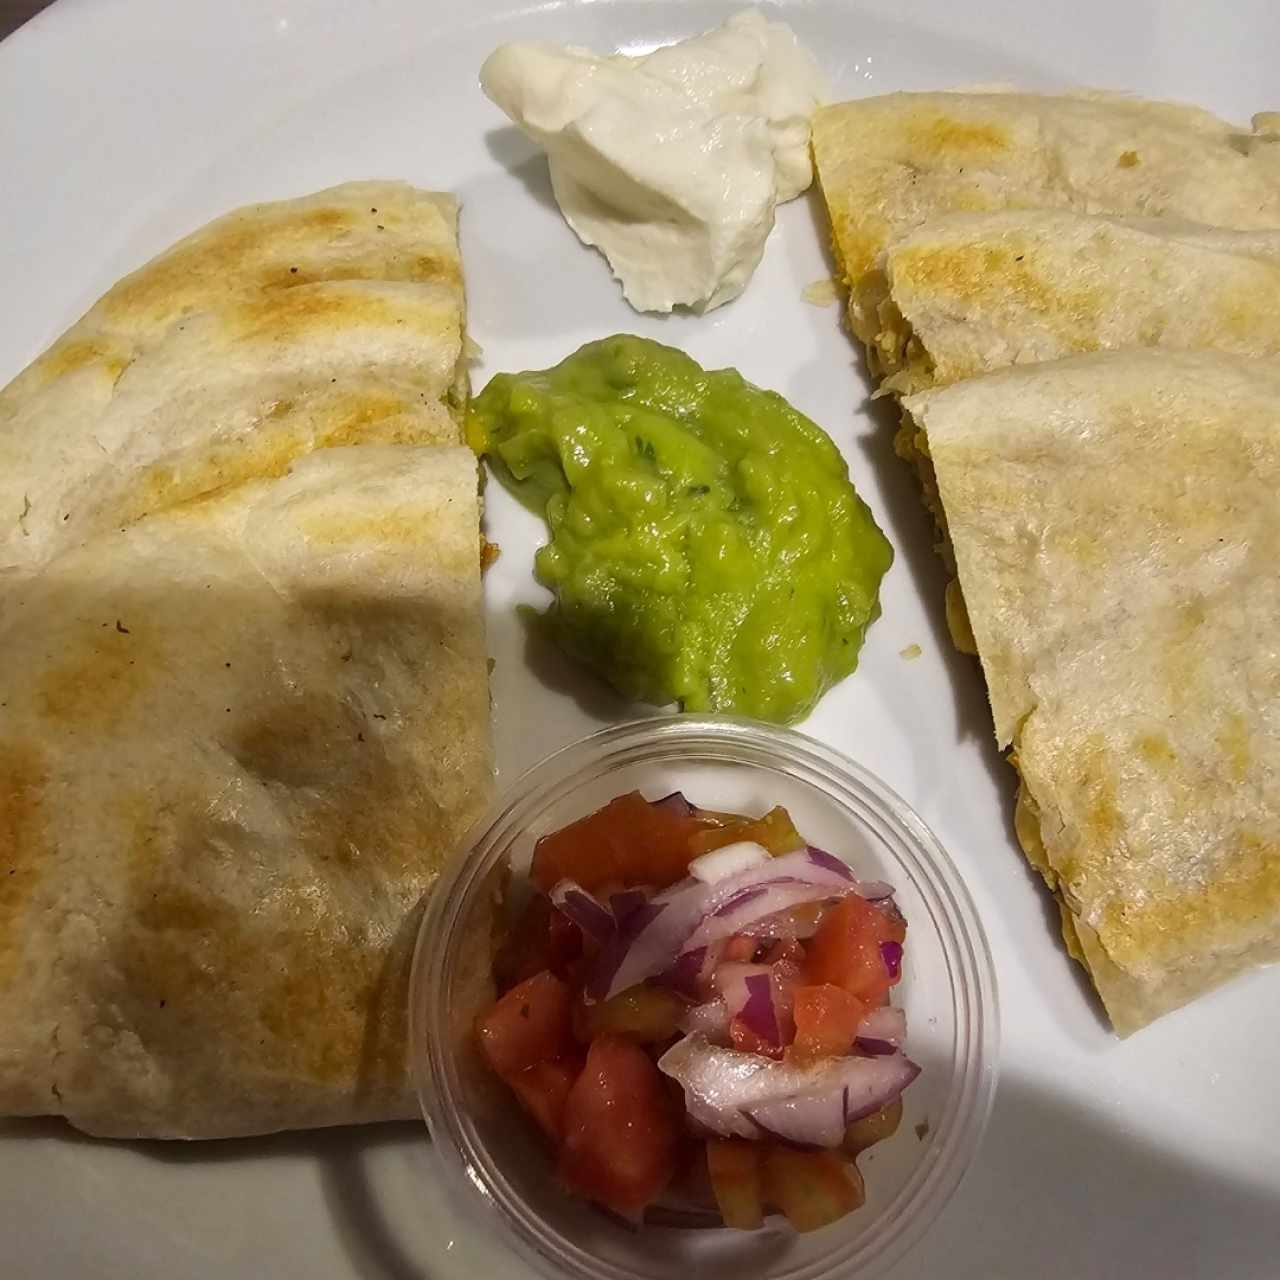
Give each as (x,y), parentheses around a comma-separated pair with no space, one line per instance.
(1116,530)
(334,319)
(977,292)
(888,164)
(237,740)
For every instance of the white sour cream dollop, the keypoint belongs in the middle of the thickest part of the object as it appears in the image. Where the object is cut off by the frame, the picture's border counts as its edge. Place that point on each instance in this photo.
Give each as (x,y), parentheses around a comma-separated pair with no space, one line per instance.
(672,163)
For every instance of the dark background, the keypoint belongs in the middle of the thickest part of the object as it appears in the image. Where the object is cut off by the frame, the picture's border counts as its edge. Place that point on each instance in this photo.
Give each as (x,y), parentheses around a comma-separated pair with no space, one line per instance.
(13,13)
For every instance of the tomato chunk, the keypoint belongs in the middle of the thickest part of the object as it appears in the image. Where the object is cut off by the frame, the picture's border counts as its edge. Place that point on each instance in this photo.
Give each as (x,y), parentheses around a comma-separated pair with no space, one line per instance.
(775,831)
(826,1019)
(648,1015)
(620,1129)
(528,1025)
(541,938)
(747,1041)
(812,1188)
(628,842)
(734,1166)
(846,949)
(543,1089)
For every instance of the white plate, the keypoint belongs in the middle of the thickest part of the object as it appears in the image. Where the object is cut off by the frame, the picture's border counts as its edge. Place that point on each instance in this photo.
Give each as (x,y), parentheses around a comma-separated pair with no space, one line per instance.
(125,123)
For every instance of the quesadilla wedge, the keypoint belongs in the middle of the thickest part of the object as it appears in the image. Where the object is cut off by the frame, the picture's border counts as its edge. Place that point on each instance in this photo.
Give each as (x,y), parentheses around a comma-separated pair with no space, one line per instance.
(333,319)
(1116,531)
(971,293)
(237,739)
(888,164)
(976,292)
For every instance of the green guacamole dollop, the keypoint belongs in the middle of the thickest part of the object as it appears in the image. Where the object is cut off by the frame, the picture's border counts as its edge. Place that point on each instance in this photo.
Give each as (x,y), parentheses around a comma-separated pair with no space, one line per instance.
(707,546)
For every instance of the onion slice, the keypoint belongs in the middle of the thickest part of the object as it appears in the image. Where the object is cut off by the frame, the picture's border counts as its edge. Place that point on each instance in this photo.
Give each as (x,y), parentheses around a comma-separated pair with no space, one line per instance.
(651,940)
(624,903)
(710,1019)
(691,914)
(674,803)
(585,910)
(749,906)
(882,1031)
(728,860)
(691,973)
(722,1085)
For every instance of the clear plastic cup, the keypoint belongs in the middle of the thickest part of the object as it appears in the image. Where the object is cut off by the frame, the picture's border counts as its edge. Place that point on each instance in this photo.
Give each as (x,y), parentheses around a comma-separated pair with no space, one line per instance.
(499,1167)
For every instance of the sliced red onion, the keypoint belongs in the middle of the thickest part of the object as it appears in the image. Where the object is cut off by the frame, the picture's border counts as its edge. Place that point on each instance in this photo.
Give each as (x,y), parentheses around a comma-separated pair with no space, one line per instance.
(628,901)
(728,1124)
(739,900)
(750,905)
(691,914)
(652,941)
(584,910)
(810,1121)
(710,1019)
(871,1093)
(760,1015)
(821,858)
(871,890)
(891,954)
(874,1048)
(728,860)
(691,973)
(751,994)
(675,803)
(731,982)
(882,1031)
(786,925)
(724,1083)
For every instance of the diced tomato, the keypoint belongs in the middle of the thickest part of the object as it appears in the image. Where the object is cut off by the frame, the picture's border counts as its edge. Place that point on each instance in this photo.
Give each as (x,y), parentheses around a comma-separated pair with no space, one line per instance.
(543,1090)
(826,1018)
(628,841)
(646,1014)
(528,1025)
(775,831)
(734,1166)
(620,1128)
(541,938)
(812,1188)
(874,1128)
(846,949)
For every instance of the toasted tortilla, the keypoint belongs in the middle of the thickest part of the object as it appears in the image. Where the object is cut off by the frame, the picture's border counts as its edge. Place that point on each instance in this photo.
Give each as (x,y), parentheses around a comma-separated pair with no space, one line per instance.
(334,319)
(888,164)
(1116,530)
(237,740)
(977,292)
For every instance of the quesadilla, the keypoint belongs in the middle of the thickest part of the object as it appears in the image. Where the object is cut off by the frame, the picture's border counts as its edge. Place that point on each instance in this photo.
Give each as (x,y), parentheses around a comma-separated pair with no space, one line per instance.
(244,697)
(237,739)
(976,292)
(971,293)
(888,164)
(1116,531)
(333,319)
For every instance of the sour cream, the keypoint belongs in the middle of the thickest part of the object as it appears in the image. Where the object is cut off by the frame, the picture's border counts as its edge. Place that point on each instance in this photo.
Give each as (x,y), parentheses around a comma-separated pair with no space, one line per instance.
(672,163)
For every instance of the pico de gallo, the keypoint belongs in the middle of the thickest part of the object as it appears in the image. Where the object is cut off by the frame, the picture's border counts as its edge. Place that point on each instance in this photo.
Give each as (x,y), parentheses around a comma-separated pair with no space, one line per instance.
(695,1009)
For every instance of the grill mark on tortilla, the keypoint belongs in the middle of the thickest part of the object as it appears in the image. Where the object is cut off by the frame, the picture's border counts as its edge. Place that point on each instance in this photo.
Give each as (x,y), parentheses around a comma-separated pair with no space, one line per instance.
(98,679)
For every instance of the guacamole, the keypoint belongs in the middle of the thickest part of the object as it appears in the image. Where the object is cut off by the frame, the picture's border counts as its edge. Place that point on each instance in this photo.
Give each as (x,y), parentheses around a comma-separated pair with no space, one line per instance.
(706,547)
